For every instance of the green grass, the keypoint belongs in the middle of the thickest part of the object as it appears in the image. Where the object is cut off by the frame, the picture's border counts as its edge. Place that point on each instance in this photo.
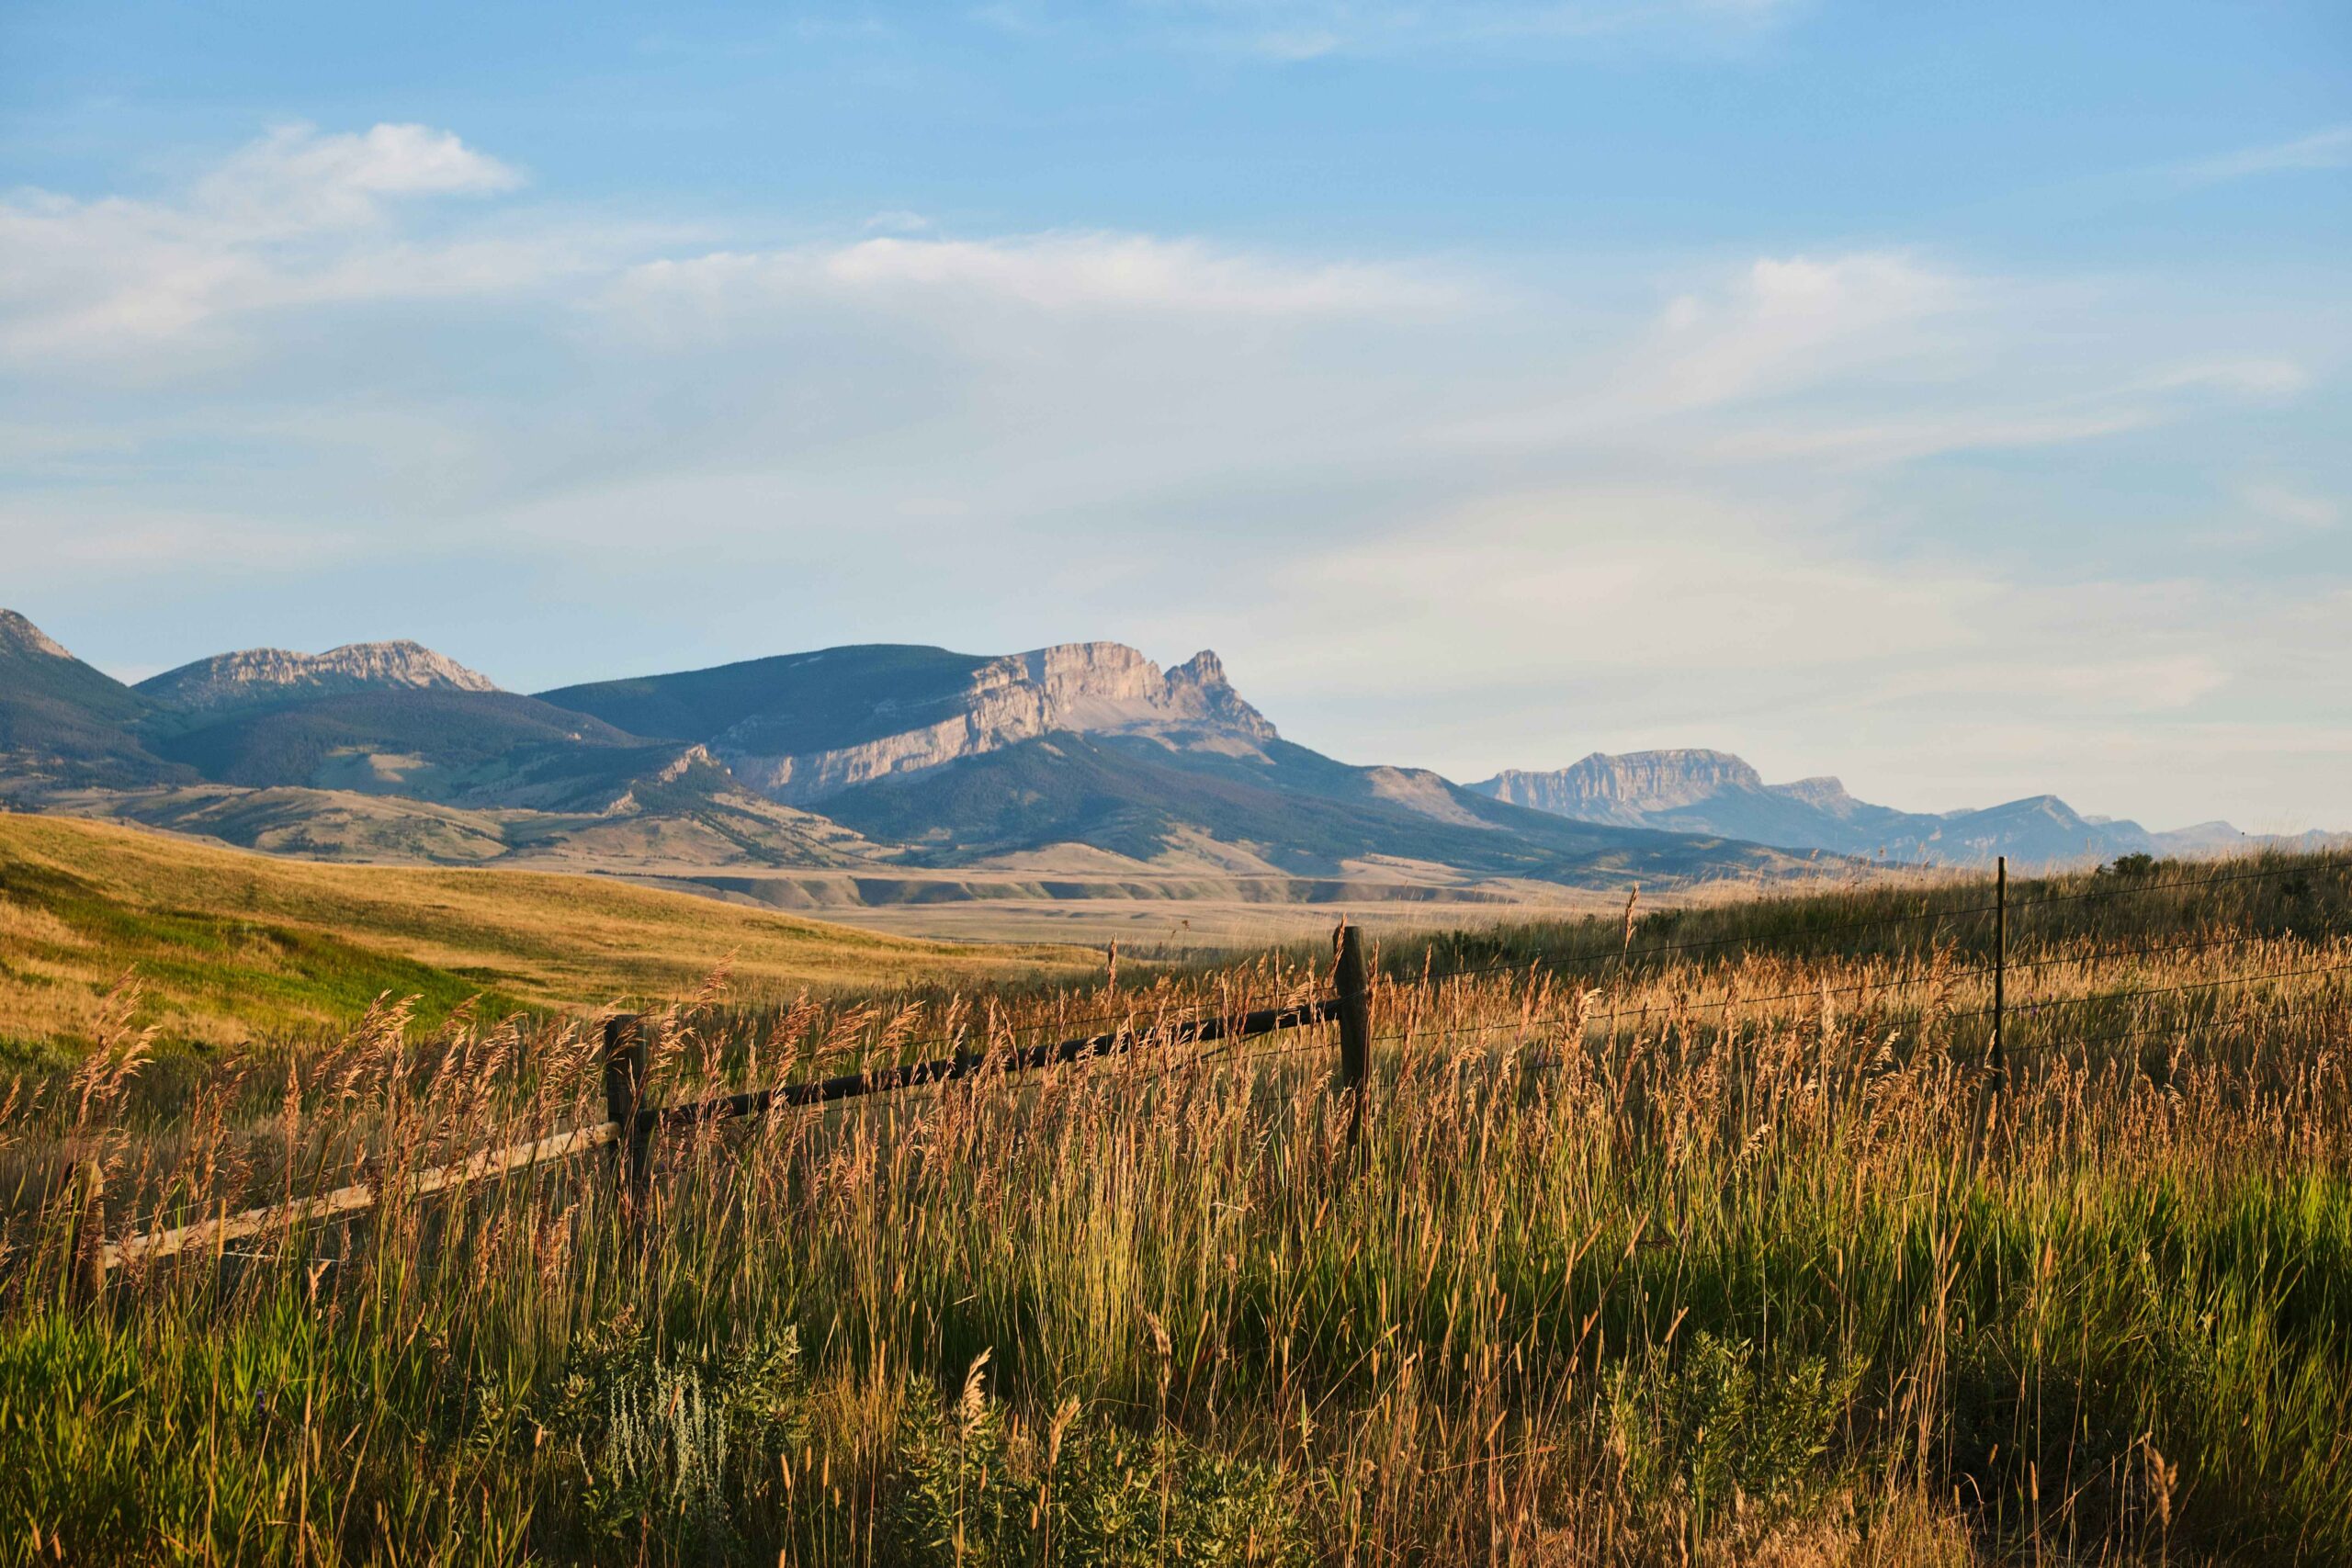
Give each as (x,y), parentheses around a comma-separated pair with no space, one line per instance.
(230,948)
(1765,1289)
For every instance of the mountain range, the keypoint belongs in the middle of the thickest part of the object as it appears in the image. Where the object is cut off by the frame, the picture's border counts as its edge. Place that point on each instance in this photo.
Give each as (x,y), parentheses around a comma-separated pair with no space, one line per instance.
(896,773)
(1716,793)
(910,770)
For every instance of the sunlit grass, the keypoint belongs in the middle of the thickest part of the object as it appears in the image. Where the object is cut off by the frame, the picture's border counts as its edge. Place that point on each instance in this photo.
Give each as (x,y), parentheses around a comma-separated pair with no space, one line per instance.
(1612,1277)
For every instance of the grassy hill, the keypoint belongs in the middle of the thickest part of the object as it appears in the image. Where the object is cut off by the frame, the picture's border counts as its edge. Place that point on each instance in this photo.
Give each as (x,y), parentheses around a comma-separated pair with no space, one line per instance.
(231,946)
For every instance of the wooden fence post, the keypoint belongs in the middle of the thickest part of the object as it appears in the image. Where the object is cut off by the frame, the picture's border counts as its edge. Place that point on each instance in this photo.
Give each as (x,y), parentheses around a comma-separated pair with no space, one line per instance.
(87,1180)
(624,1062)
(1355,1022)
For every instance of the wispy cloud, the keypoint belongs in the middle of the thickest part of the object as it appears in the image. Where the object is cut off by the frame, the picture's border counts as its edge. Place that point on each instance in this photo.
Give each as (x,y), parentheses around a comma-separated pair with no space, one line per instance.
(296,218)
(1557,499)
(1785,320)
(2328,149)
(1059,273)
(2299,509)
(1289,30)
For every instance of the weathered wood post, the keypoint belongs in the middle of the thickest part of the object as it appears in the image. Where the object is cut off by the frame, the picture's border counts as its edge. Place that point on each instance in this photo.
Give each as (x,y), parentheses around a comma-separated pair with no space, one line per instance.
(87,1187)
(1355,988)
(625,1064)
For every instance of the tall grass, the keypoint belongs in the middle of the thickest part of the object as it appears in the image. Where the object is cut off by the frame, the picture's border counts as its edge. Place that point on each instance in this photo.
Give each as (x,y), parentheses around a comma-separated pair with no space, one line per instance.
(1614,1275)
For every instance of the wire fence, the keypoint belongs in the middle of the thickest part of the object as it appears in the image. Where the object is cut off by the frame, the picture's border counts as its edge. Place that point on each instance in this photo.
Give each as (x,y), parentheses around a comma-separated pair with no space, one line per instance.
(1164,1033)
(1940,979)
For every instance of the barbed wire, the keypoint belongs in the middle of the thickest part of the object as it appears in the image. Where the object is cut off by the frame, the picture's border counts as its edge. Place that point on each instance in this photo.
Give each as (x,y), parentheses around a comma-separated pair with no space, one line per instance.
(1628,956)
(2025,1011)
(1632,954)
(2129,887)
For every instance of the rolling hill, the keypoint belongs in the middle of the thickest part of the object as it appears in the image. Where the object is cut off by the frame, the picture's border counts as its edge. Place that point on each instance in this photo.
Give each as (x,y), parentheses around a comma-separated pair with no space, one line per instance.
(230,945)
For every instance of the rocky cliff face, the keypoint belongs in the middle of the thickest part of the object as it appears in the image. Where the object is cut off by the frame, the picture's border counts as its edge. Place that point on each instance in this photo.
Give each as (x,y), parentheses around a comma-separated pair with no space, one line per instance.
(1715,793)
(261,676)
(1091,687)
(19,636)
(1624,789)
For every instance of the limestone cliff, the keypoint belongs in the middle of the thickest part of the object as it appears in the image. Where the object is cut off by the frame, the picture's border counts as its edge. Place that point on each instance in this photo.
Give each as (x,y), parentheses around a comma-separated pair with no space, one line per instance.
(261,676)
(1091,687)
(1624,789)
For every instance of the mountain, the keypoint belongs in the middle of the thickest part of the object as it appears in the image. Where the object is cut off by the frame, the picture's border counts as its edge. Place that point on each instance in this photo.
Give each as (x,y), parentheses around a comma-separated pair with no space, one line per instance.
(1714,792)
(968,759)
(890,760)
(1282,807)
(430,743)
(267,677)
(64,722)
(806,726)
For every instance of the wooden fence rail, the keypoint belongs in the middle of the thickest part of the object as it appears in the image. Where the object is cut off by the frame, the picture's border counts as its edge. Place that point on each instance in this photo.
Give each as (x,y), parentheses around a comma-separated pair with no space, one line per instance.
(630,1124)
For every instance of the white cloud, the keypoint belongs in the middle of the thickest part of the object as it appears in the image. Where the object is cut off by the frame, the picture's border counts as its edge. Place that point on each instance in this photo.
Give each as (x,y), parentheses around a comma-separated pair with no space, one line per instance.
(1292,31)
(2297,509)
(2328,149)
(1430,512)
(296,218)
(1058,273)
(1786,321)
(294,178)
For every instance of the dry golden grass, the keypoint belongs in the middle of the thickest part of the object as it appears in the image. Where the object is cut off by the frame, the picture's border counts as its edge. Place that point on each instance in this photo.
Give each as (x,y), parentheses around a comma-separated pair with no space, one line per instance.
(228,944)
(1615,1275)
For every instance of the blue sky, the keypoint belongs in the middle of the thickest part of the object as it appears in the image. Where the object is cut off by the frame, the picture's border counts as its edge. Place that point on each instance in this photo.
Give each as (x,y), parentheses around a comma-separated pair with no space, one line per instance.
(1949,398)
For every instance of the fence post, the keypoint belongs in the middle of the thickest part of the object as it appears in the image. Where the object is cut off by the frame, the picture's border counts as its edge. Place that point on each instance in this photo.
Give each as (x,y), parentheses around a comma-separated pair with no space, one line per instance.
(1997,1059)
(624,1090)
(87,1180)
(1355,1021)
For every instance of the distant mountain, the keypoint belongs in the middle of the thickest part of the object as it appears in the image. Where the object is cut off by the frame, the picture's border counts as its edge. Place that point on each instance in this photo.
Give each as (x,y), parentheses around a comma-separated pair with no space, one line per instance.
(1714,792)
(455,746)
(63,721)
(1081,759)
(266,677)
(804,726)
(1279,807)
(965,758)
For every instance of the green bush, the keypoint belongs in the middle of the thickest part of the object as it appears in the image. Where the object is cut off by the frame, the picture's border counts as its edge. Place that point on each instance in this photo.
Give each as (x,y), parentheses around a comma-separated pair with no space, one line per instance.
(1087,1493)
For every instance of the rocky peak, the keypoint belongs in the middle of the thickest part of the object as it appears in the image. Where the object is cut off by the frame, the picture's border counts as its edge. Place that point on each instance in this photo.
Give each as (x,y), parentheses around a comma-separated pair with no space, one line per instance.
(1604,788)
(263,675)
(1100,688)
(1822,792)
(18,635)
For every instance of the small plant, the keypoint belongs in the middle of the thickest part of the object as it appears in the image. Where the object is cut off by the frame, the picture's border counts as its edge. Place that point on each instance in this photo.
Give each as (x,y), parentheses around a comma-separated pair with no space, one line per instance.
(2131,867)
(1728,1429)
(653,1442)
(976,1492)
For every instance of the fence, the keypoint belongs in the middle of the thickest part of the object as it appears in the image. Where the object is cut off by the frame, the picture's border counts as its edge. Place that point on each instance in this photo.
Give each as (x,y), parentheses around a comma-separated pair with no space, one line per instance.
(631,1124)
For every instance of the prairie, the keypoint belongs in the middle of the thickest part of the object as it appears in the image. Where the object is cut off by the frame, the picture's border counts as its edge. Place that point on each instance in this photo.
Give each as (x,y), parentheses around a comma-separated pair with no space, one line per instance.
(231,947)
(1703,1237)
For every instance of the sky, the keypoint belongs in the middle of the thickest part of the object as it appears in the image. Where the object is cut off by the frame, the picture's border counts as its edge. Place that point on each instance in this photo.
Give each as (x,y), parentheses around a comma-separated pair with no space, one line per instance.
(1952,399)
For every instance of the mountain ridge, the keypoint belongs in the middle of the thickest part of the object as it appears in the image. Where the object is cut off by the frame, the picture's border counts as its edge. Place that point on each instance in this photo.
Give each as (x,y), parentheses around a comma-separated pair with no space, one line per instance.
(266,676)
(903,757)
(1703,791)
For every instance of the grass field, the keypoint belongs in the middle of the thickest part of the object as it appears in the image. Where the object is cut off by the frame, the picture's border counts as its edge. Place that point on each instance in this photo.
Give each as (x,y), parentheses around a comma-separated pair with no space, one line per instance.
(227,947)
(1723,1252)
